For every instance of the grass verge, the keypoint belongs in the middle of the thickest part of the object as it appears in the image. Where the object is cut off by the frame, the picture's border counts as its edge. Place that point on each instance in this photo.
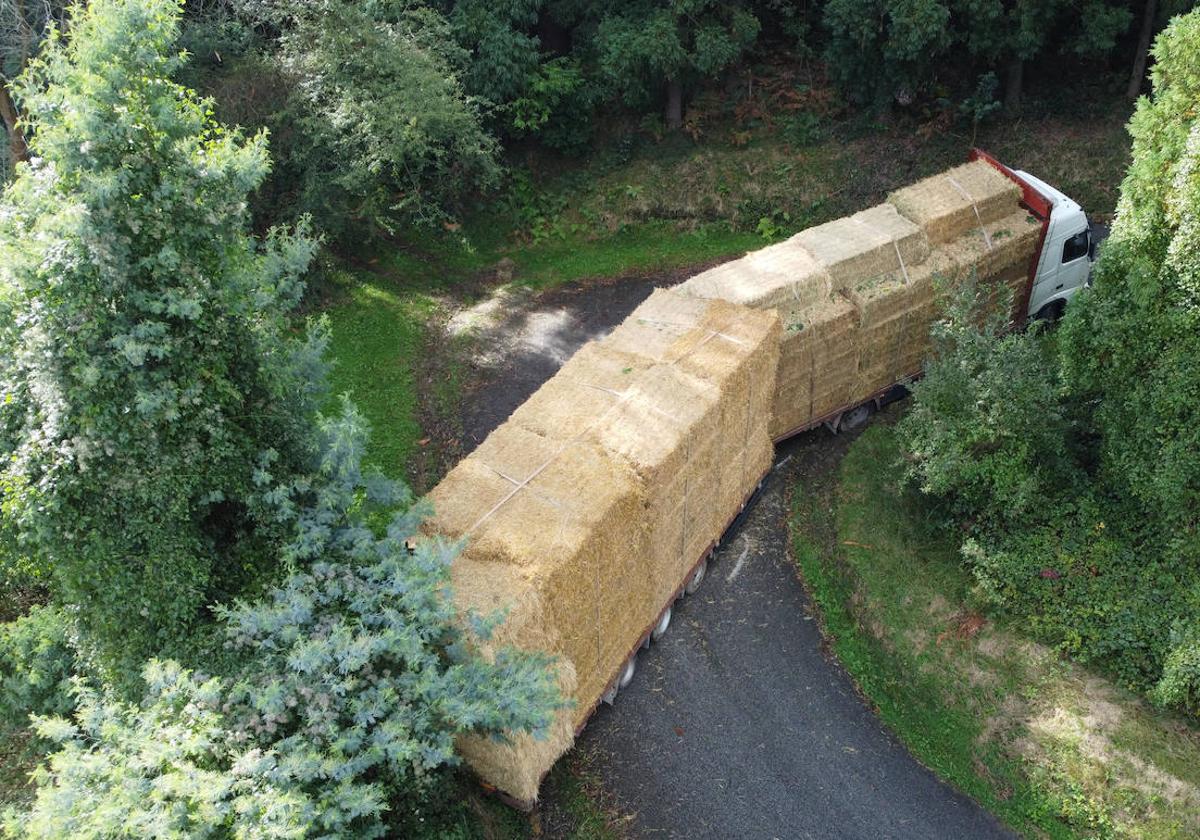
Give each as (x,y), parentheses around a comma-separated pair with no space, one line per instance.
(1049,747)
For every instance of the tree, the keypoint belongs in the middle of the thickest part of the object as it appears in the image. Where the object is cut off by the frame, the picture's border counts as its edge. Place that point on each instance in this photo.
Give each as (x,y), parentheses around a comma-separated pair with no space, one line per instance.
(350,682)
(880,50)
(664,46)
(386,134)
(23,24)
(988,430)
(1107,564)
(148,365)
(1007,34)
(1145,34)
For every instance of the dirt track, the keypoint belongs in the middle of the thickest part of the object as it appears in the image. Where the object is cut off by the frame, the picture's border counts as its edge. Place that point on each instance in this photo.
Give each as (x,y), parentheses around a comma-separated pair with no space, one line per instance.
(737,724)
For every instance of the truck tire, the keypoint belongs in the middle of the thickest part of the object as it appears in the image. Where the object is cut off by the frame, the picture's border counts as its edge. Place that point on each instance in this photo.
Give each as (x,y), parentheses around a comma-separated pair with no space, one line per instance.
(1051,312)
(856,416)
(627,672)
(663,623)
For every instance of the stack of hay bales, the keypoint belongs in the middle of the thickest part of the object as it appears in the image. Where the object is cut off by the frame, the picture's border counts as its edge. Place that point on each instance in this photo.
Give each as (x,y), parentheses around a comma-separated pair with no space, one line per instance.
(858,295)
(587,508)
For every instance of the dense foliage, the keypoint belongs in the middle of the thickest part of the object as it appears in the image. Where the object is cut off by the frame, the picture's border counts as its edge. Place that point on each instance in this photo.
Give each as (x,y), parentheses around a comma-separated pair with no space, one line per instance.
(36,665)
(389,114)
(148,364)
(987,429)
(385,133)
(346,687)
(1082,490)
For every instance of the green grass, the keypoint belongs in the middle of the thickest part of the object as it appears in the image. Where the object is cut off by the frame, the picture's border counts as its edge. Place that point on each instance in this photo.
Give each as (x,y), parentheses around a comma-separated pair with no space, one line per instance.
(377,332)
(1050,748)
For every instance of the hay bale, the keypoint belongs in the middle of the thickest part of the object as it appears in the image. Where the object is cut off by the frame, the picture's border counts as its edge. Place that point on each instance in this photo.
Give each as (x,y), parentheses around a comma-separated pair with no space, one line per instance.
(881,298)
(818,343)
(570,517)
(515,766)
(867,244)
(958,201)
(777,275)
(590,384)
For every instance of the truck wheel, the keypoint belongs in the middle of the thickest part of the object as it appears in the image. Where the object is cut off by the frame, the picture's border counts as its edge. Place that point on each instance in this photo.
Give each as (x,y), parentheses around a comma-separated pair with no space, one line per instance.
(697,577)
(855,417)
(627,673)
(661,627)
(1052,311)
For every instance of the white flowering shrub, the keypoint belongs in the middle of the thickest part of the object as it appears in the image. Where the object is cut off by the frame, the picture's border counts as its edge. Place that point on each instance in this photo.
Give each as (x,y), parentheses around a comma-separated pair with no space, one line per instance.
(148,363)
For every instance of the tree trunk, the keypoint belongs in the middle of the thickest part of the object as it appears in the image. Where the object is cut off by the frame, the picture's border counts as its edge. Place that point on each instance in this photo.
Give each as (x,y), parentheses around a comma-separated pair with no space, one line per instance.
(17,149)
(1014,76)
(673,113)
(1143,49)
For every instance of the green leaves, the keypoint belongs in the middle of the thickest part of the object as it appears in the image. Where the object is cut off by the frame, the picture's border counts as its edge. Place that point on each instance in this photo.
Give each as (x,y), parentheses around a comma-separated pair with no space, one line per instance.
(348,684)
(147,351)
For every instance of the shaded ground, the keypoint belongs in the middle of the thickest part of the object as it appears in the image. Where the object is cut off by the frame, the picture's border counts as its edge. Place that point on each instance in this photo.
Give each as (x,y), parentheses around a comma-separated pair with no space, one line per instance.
(522,338)
(737,724)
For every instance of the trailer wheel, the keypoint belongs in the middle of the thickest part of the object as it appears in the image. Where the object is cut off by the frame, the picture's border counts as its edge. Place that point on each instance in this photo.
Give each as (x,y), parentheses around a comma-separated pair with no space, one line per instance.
(627,673)
(855,417)
(609,696)
(661,627)
(697,577)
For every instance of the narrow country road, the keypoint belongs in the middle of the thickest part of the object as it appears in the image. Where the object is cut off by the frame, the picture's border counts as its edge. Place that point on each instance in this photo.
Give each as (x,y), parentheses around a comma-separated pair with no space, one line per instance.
(737,723)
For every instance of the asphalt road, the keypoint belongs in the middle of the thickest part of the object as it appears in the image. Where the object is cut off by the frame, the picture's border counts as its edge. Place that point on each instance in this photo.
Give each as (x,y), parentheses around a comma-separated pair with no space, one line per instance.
(737,723)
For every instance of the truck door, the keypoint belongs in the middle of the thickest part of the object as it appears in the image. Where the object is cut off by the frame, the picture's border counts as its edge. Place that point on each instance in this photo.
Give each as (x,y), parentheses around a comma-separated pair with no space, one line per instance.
(1063,268)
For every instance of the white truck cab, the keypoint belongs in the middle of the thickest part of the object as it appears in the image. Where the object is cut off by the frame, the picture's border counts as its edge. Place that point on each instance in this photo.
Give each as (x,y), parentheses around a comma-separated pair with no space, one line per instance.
(1065,265)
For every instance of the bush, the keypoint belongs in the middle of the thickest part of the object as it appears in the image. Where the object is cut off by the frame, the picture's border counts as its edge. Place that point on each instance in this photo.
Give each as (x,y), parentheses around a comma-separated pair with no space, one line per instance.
(36,665)
(166,767)
(988,431)
(386,134)
(1180,682)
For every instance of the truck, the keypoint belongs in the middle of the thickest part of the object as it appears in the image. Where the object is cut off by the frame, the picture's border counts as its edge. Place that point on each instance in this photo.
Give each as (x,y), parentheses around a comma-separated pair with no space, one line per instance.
(1060,267)
(599,502)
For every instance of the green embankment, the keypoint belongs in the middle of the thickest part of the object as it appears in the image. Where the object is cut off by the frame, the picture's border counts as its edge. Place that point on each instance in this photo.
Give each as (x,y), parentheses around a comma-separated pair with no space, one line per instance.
(1049,747)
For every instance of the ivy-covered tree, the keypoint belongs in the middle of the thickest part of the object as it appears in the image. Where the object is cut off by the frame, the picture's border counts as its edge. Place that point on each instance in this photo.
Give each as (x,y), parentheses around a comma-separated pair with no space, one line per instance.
(148,364)
(23,25)
(652,48)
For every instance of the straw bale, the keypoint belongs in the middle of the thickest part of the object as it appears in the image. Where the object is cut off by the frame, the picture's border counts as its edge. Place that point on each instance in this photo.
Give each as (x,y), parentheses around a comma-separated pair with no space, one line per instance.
(881,298)
(792,407)
(486,588)
(1013,239)
(833,394)
(945,213)
(517,764)
(592,383)
(861,246)
(663,328)
(907,237)
(777,275)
